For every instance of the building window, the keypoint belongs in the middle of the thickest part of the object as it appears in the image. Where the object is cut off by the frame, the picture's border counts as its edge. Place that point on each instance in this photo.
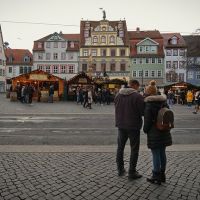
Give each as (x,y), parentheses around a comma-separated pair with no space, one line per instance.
(181,52)
(140,61)
(103,67)
(29,69)
(71,69)
(26,59)
(121,33)
(122,52)
(1,62)
(112,39)
(55,44)
(94,52)
(63,56)
(153,60)
(181,77)
(48,56)
(198,75)
(95,39)
(141,49)
(39,45)
(55,69)
(63,69)
(21,70)
(63,44)
(152,73)
(55,56)
(40,56)
(159,60)
(72,44)
(175,52)
(103,39)
(159,73)
(84,67)
(181,65)
(48,69)
(175,64)
(190,75)
(147,60)
(147,48)
(112,67)
(134,73)
(168,64)
(134,61)
(25,70)
(146,73)
(112,52)
(140,73)
(85,52)
(103,52)
(70,56)
(169,52)
(174,40)
(153,48)
(10,70)
(40,67)
(48,44)
(123,67)
(86,33)
(94,67)
(0,49)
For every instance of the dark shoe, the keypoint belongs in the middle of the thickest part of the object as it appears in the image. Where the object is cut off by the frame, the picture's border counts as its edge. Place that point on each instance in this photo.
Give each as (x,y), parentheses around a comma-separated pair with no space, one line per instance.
(163,177)
(194,112)
(121,172)
(155,178)
(134,176)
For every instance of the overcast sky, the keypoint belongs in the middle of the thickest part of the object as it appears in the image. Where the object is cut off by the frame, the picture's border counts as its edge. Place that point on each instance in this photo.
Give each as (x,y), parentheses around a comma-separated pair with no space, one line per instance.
(164,15)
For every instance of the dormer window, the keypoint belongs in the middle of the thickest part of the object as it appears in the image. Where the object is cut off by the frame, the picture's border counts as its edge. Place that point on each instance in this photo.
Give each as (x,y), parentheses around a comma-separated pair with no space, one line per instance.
(95,39)
(103,28)
(10,59)
(71,44)
(39,45)
(112,39)
(26,59)
(103,39)
(173,40)
(121,33)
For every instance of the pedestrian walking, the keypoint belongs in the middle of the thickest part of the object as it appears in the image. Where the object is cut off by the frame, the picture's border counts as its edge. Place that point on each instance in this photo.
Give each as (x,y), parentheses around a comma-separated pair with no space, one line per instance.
(51,93)
(30,91)
(85,98)
(23,94)
(189,98)
(129,109)
(197,102)
(157,140)
(170,98)
(89,105)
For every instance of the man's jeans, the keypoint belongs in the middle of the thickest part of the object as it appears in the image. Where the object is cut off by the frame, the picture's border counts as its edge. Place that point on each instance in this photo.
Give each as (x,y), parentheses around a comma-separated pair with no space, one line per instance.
(134,137)
(159,159)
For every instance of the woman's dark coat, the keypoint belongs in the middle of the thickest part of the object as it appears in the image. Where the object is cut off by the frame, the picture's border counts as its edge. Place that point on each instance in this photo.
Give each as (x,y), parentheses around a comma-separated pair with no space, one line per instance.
(155,137)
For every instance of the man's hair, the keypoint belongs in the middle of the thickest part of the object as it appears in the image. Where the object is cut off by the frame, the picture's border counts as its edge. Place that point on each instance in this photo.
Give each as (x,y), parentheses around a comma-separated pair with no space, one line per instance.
(134,82)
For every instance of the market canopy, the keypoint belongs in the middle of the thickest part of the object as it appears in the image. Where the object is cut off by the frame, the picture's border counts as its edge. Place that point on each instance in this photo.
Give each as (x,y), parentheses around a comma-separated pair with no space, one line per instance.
(81,79)
(181,85)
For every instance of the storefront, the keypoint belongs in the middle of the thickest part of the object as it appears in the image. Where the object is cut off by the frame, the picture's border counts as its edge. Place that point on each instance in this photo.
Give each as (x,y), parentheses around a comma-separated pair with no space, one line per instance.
(82,81)
(41,82)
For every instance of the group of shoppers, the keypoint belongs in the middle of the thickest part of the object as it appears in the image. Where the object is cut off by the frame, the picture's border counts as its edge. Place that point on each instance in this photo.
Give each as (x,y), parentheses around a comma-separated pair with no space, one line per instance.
(130,107)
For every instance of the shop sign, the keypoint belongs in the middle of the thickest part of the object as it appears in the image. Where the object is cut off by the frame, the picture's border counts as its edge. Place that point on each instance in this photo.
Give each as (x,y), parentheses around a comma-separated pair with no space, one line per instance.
(40,77)
(82,80)
(111,86)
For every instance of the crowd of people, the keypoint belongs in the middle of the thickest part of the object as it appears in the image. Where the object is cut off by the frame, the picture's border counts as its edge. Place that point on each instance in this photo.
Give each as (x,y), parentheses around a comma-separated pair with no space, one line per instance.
(89,95)
(189,98)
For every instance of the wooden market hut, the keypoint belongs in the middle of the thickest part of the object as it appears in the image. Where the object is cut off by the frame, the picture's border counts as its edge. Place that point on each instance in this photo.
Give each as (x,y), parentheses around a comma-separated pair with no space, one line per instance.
(81,80)
(41,81)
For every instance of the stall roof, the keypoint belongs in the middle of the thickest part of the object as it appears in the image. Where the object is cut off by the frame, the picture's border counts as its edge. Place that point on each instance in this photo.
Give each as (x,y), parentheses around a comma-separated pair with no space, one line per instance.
(76,79)
(36,72)
(181,83)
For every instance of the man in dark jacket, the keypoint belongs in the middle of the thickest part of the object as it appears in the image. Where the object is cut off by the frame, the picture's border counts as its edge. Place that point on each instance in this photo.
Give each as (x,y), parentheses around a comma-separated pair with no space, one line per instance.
(129,108)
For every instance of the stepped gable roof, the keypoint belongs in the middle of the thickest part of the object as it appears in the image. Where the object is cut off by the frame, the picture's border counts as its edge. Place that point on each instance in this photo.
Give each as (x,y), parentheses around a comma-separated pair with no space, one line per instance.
(168,36)
(18,56)
(94,24)
(193,45)
(137,36)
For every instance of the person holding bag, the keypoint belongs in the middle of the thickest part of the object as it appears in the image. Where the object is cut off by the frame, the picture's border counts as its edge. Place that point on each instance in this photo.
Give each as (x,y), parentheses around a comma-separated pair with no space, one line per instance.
(158,120)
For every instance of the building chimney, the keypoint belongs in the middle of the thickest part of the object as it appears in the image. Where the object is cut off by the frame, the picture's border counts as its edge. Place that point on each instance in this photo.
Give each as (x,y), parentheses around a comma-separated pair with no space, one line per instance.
(138,29)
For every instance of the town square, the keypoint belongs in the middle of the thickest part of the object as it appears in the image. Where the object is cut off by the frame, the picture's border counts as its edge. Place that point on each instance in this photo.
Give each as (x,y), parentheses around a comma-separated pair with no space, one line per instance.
(99,100)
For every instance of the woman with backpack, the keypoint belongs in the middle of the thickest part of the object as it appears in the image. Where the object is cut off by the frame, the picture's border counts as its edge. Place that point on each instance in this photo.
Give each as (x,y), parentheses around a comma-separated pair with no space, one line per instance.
(157,139)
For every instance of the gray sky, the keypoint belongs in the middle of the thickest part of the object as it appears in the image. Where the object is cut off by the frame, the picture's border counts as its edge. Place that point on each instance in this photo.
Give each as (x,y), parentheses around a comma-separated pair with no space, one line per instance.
(165,15)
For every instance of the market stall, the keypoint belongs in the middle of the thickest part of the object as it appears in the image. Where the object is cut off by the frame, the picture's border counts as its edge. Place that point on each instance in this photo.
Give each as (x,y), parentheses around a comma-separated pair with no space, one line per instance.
(82,81)
(41,82)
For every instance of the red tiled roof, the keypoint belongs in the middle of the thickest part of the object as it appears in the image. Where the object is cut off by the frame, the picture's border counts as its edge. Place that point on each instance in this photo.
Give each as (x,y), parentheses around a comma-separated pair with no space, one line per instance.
(18,56)
(94,24)
(137,36)
(168,36)
(71,37)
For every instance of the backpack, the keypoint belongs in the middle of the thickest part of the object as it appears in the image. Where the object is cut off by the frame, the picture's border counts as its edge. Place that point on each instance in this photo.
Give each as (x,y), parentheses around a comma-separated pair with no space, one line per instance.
(165,119)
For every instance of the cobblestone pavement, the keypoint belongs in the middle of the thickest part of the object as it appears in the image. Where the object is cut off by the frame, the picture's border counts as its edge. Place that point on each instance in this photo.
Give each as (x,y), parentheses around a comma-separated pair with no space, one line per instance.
(93,176)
